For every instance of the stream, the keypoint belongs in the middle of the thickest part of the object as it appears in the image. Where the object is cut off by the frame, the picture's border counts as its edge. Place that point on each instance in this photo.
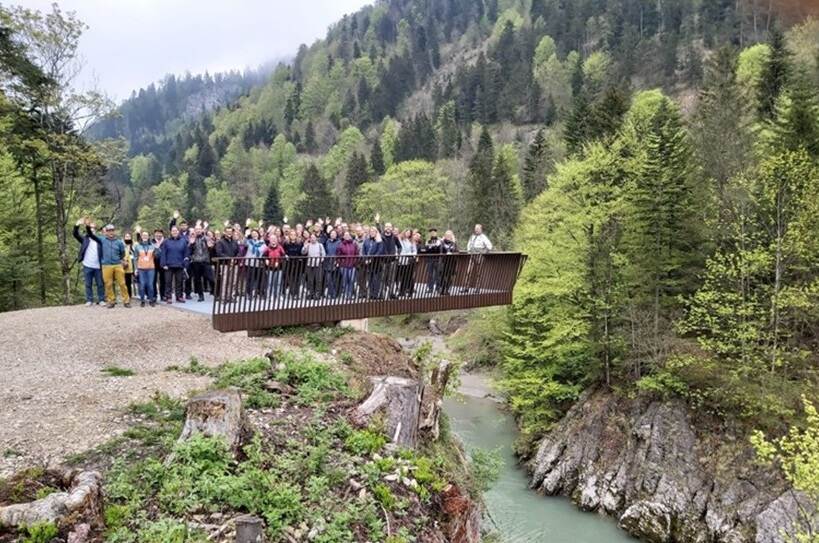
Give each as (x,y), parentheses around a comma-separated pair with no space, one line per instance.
(520,515)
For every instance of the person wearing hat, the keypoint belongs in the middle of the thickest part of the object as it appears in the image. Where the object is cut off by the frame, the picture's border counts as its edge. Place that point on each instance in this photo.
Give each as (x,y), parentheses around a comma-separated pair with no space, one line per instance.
(113,266)
(432,249)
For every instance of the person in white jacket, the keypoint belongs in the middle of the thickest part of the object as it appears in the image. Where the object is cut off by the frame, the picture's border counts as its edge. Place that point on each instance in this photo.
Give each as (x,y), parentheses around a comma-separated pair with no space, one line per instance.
(478,242)
(478,245)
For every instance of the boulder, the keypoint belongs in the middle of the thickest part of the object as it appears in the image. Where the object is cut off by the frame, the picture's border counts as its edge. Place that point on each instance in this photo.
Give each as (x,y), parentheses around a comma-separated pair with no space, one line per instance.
(217,413)
(649,521)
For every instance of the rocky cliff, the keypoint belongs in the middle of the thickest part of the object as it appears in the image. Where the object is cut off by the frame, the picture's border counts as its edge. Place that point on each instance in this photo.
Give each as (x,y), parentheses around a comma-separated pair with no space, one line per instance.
(666,479)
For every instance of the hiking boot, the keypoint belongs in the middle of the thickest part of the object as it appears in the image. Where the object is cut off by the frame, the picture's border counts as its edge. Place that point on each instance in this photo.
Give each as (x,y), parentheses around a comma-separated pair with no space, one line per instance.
(152,303)
(201,298)
(142,303)
(110,306)
(128,305)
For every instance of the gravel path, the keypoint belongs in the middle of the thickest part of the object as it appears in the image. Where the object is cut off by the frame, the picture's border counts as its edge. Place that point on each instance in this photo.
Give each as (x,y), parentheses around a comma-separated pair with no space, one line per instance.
(54,398)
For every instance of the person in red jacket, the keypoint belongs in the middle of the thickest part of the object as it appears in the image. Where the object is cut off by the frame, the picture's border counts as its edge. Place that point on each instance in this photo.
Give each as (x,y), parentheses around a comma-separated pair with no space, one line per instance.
(275,255)
(348,249)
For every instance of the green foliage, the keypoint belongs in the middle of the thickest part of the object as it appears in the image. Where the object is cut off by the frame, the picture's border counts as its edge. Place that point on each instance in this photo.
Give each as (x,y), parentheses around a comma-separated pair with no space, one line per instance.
(486,467)
(115,371)
(42,532)
(797,455)
(365,442)
(314,381)
(479,343)
(410,194)
(316,199)
(250,376)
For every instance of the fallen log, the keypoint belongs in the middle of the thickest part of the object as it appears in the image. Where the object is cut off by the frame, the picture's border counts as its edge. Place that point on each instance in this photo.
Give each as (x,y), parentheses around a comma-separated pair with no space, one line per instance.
(82,500)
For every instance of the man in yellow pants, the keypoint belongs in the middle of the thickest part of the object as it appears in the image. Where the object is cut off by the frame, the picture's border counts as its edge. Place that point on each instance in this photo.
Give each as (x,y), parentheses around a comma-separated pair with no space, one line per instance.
(113,271)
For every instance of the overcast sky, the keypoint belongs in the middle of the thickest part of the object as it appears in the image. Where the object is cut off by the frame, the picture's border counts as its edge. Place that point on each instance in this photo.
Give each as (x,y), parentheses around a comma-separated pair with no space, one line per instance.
(131,43)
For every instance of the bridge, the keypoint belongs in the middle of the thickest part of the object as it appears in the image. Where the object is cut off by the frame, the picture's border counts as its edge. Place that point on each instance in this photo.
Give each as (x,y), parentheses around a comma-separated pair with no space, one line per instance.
(256,294)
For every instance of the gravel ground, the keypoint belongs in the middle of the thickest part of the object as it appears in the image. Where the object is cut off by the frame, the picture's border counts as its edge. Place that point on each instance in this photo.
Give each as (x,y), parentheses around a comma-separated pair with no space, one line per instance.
(54,398)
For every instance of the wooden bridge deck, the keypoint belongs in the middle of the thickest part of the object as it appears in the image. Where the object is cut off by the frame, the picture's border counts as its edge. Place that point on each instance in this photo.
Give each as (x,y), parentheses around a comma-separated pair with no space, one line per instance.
(256,295)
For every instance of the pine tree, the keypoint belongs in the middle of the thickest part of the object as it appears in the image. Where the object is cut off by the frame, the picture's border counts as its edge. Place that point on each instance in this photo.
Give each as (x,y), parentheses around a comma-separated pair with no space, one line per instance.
(272,210)
(535,167)
(377,159)
(774,74)
(480,180)
(426,147)
(357,173)
(796,125)
(606,114)
(577,130)
(449,135)
(504,199)
(664,238)
(310,138)
(316,201)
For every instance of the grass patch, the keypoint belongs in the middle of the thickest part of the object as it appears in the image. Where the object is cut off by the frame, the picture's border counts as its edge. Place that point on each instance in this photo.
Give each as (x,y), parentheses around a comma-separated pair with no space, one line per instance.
(116,371)
(194,367)
(42,532)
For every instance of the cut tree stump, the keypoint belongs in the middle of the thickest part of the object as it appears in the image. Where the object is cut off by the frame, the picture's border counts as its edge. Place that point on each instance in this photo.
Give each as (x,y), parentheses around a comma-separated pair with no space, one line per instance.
(399,399)
(432,400)
(217,413)
(82,501)
(249,529)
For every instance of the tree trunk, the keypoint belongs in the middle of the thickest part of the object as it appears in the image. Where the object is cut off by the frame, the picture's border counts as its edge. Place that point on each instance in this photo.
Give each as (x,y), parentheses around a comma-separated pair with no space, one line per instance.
(40,219)
(58,180)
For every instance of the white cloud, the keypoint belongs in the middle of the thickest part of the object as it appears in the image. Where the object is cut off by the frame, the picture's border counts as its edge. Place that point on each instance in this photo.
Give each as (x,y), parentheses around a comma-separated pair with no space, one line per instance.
(130,43)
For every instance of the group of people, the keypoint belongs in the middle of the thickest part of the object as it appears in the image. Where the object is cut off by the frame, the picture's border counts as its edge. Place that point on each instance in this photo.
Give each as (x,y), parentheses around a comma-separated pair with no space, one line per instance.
(310,261)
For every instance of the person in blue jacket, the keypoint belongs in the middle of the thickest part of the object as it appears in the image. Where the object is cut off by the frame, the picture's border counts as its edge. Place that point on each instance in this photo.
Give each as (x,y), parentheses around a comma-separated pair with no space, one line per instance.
(173,257)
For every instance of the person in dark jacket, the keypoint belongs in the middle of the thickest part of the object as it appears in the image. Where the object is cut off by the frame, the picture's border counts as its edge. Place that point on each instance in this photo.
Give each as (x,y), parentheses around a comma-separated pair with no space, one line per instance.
(184,232)
(294,266)
(89,257)
(199,260)
(174,258)
(227,247)
(392,247)
(373,251)
(347,252)
(432,249)
(449,262)
(159,282)
(331,273)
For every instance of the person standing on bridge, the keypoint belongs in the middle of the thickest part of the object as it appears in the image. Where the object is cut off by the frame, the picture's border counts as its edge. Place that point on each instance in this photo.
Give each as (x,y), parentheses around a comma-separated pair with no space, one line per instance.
(449,248)
(113,271)
(477,246)
(145,269)
(392,248)
(432,248)
(199,260)
(294,268)
(275,256)
(373,251)
(89,257)
(227,247)
(174,258)
(315,253)
(256,266)
(331,273)
(406,264)
(347,253)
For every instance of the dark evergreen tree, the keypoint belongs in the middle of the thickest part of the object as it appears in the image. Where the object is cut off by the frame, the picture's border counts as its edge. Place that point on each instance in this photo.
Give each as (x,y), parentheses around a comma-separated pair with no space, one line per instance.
(577,130)
(310,138)
(377,159)
(535,167)
(480,180)
(317,201)
(357,173)
(272,210)
(607,113)
(774,74)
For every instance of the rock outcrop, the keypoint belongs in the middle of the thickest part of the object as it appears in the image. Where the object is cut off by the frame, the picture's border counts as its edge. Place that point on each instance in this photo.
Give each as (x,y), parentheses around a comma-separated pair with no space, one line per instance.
(646,463)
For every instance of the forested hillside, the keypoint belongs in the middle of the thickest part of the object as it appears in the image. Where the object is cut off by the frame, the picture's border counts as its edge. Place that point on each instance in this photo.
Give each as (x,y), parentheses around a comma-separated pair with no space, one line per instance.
(661,157)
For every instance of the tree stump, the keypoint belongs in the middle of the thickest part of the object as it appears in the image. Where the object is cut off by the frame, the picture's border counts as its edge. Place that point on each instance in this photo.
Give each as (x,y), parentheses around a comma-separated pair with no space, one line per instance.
(432,399)
(249,529)
(217,413)
(399,400)
(82,501)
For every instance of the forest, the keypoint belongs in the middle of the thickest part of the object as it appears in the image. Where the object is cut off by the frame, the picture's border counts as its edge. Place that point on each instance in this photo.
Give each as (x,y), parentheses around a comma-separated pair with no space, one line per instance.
(656,160)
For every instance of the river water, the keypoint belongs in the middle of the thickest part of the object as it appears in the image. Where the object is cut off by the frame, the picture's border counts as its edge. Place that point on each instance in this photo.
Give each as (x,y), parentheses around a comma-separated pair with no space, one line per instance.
(520,514)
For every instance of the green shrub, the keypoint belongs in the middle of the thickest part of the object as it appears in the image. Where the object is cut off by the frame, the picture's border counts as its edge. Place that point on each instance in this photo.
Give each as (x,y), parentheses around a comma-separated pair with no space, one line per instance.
(41,532)
(116,371)
(314,381)
(249,376)
(365,442)
(486,468)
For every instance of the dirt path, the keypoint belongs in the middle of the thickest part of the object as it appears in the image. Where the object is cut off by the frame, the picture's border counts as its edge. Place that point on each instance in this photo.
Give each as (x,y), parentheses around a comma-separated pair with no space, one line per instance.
(54,398)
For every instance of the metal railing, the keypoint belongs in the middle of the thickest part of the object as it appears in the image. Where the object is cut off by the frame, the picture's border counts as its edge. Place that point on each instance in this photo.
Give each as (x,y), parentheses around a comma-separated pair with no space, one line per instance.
(262,293)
